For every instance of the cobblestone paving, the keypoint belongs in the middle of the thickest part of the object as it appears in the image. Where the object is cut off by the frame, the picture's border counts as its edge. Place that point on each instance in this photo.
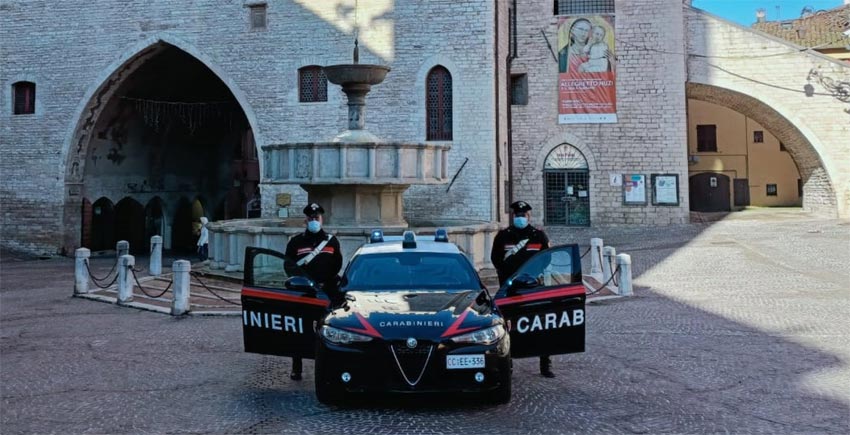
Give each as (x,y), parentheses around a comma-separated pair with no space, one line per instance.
(737,326)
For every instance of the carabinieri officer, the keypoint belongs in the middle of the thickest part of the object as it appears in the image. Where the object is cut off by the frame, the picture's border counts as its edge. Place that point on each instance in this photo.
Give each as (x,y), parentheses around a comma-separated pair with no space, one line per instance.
(316,255)
(512,247)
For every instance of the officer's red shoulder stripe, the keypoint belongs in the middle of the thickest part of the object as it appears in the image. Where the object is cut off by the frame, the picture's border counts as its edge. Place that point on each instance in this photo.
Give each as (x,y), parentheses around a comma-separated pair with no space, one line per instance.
(534,246)
(573,290)
(328,249)
(264,294)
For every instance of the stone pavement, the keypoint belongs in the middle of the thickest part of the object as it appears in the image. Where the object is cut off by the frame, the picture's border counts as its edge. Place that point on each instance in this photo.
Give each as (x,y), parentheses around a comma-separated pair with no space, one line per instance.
(738,325)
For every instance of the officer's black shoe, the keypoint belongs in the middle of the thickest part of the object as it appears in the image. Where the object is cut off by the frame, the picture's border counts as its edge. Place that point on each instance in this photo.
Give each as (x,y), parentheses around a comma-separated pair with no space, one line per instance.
(546,367)
(295,376)
(547,372)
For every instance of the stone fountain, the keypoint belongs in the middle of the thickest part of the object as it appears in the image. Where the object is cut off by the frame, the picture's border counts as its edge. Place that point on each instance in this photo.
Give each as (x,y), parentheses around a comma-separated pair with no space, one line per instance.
(356,176)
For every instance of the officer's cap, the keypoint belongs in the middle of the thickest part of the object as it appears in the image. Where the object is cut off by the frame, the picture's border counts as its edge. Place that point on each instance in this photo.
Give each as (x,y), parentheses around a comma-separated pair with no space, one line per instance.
(313,210)
(520,207)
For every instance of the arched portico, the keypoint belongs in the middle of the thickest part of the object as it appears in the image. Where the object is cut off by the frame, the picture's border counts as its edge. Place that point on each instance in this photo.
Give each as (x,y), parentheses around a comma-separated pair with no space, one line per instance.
(91,128)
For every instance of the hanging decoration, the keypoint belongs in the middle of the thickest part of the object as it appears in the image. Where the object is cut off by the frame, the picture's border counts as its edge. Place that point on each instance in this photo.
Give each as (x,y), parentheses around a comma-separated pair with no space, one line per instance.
(157,113)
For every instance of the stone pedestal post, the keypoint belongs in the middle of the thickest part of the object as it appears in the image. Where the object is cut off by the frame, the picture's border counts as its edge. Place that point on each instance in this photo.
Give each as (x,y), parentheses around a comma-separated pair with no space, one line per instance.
(125,278)
(608,254)
(81,272)
(180,287)
(122,247)
(595,256)
(155,265)
(624,263)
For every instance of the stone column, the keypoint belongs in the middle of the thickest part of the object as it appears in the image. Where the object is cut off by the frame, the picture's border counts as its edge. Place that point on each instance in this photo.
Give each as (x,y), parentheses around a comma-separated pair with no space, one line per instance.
(180,287)
(624,263)
(595,256)
(125,278)
(608,254)
(81,272)
(155,265)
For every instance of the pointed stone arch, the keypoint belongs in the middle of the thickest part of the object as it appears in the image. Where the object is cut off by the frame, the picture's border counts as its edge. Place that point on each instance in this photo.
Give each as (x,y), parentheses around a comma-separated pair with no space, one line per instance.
(97,95)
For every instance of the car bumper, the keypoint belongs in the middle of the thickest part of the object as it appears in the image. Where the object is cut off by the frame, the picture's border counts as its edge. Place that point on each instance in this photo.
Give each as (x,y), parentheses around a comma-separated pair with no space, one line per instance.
(377,368)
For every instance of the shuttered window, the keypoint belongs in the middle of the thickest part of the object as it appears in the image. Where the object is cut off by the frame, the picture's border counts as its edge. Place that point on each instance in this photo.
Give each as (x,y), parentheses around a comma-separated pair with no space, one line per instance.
(23,98)
(706,138)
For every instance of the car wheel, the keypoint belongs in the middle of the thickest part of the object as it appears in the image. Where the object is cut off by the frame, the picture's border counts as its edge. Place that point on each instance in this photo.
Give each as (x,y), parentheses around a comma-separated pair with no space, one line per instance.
(502,395)
(325,391)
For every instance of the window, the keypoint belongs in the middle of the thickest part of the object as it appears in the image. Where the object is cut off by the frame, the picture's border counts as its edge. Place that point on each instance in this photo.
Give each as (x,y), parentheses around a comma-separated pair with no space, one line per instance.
(258,16)
(573,7)
(758,136)
(771,190)
(312,84)
(800,187)
(519,89)
(706,138)
(782,147)
(438,100)
(23,98)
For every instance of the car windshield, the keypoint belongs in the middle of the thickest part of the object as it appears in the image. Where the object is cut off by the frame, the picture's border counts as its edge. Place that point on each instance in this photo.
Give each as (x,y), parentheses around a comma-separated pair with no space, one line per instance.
(411,270)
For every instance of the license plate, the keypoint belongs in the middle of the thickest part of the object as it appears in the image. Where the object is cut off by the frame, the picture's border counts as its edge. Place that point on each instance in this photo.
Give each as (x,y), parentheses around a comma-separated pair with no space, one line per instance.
(464,361)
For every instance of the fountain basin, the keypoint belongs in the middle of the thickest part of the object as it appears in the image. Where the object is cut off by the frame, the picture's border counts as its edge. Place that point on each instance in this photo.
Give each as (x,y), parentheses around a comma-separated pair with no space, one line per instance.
(356,73)
(228,239)
(355,163)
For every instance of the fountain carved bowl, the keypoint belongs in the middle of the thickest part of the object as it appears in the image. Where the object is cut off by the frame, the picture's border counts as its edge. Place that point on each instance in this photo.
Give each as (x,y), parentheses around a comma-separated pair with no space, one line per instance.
(356,73)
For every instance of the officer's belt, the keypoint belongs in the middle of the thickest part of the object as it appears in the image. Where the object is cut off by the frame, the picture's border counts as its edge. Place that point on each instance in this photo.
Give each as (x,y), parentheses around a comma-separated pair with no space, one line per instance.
(516,248)
(309,257)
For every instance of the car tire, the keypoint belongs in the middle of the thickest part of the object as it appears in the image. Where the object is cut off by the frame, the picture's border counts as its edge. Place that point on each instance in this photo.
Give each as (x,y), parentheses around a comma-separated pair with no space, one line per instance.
(325,392)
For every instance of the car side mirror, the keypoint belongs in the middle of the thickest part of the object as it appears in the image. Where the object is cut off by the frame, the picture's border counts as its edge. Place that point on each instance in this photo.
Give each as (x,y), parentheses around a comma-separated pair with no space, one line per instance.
(301,284)
(522,282)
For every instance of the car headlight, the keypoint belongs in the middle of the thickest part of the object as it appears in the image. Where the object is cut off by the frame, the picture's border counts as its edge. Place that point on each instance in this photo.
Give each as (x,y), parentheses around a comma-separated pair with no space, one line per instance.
(482,336)
(341,336)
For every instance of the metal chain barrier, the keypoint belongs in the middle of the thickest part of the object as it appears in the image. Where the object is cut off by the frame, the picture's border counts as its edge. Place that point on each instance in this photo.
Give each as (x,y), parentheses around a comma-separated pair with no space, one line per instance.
(585,252)
(197,278)
(615,273)
(95,281)
(133,271)
(94,278)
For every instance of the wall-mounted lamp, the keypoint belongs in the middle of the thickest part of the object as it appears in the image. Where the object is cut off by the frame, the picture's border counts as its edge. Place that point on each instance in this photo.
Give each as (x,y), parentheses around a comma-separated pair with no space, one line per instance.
(693,159)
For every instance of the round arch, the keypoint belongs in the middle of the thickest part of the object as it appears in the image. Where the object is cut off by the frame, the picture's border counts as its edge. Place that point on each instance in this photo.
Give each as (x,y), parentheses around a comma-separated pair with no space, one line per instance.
(819,193)
(79,133)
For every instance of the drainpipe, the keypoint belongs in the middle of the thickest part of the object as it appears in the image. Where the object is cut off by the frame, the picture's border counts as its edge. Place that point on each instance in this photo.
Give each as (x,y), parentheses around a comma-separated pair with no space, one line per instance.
(498,102)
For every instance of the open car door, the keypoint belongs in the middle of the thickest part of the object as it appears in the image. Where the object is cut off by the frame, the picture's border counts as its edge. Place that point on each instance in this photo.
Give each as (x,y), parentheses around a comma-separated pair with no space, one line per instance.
(544,304)
(279,312)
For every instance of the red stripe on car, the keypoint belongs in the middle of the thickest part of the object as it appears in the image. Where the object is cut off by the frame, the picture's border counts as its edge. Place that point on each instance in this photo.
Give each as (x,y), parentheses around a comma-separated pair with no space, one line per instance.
(368,329)
(455,329)
(283,297)
(575,290)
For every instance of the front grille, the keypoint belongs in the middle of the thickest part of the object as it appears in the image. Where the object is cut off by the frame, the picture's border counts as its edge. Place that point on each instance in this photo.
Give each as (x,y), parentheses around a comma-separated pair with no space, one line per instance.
(411,362)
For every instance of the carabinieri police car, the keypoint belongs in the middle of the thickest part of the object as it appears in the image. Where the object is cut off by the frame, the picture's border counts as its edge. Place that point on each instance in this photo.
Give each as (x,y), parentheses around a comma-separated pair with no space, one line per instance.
(415,317)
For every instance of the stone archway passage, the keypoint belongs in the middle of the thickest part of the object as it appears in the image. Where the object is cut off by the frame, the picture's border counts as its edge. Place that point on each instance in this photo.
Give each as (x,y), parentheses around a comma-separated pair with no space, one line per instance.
(164,127)
(818,193)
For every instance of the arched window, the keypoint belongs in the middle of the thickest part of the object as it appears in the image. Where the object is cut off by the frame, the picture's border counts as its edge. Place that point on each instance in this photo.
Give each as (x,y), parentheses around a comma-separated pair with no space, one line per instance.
(438,100)
(312,84)
(23,98)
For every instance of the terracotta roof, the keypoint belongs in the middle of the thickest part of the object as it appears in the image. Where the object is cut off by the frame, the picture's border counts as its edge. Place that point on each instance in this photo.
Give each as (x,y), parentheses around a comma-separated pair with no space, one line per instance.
(822,29)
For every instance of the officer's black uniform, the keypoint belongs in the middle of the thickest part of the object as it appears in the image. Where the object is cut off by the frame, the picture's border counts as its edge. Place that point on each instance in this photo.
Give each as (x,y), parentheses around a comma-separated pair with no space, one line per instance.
(533,241)
(322,269)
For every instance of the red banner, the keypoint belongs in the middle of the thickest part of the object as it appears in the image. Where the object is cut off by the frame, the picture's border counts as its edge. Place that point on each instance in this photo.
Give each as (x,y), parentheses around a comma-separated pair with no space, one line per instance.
(587,92)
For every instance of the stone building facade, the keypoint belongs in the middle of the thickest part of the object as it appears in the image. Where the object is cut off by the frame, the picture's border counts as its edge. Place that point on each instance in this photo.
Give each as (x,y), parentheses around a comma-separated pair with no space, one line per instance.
(83,56)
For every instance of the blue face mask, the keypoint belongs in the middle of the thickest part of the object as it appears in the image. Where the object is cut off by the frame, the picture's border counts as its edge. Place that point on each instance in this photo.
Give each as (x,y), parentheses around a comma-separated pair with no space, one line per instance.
(520,222)
(314,226)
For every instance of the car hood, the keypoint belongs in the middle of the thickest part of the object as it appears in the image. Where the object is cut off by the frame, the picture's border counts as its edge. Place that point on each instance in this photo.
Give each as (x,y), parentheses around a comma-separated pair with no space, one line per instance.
(425,315)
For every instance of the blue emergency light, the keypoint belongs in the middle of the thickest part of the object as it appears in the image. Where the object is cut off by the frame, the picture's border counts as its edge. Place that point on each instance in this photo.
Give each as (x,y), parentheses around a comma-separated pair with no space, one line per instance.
(441,235)
(377,236)
(409,240)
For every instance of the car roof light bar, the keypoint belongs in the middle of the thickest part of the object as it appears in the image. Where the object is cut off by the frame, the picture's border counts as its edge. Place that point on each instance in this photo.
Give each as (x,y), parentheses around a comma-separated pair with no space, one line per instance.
(377,236)
(441,235)
(409,240)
